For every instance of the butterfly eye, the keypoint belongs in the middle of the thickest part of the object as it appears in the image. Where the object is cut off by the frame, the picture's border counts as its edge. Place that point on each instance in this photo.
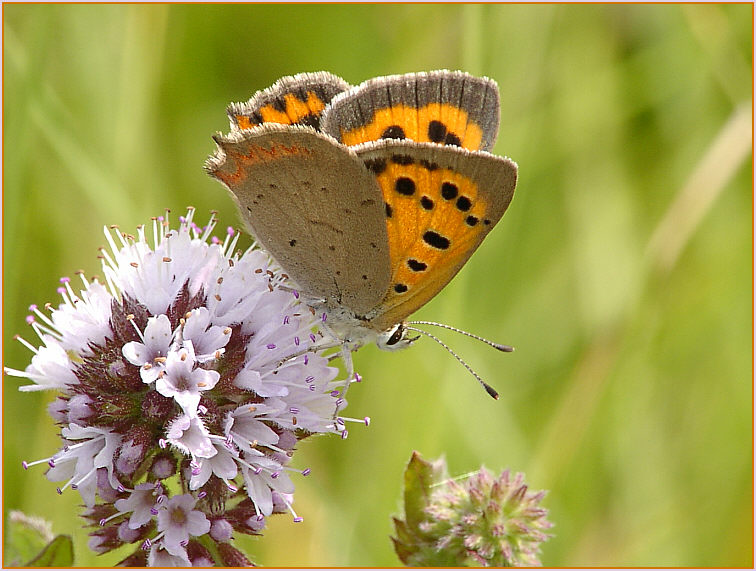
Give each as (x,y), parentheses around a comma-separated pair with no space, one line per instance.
(396,336)
(394,339)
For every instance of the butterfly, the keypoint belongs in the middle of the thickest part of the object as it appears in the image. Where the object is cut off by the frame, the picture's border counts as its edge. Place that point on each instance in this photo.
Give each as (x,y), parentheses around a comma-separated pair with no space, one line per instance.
(371,198)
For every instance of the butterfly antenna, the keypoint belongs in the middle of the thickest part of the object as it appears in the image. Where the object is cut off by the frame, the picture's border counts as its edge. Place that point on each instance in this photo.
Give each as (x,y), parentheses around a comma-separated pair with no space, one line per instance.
(489,389)
(499,346)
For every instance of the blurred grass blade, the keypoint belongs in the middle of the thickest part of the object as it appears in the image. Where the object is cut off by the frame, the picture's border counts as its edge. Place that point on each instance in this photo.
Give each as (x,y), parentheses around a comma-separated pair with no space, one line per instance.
(726,154)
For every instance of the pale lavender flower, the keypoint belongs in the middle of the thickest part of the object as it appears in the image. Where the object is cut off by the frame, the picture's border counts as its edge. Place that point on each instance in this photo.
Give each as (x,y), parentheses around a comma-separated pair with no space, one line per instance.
(183,380)
(177,521)
(86,450)
(150,353)
(189,435)
(160,557)
(141,503)
(191,367)
(222,464)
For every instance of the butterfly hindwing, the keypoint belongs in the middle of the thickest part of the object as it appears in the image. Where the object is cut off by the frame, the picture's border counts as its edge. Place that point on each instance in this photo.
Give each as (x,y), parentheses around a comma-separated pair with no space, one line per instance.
(448,108)
(313,205)
(293,100)
(440,203)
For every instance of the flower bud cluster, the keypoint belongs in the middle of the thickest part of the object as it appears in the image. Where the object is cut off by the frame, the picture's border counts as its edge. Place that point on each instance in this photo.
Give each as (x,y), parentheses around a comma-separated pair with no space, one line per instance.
(480,521)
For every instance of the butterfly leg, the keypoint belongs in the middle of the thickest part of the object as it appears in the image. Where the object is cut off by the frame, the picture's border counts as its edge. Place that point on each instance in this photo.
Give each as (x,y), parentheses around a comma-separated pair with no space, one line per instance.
(346,358)
(311,349)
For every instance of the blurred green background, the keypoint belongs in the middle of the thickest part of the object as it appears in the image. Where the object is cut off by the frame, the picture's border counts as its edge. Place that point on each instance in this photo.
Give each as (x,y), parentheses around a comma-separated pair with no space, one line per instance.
(622,272)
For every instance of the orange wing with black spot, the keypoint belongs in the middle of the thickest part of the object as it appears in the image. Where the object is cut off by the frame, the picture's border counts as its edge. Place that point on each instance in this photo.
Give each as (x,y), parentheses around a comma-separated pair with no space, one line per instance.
(447,108)
(440,203)
(292,100)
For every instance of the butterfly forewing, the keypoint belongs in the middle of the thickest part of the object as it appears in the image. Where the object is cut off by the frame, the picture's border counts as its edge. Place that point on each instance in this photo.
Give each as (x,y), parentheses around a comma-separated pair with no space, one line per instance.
(448,108)
(314,206)
(440,203)
(292,100)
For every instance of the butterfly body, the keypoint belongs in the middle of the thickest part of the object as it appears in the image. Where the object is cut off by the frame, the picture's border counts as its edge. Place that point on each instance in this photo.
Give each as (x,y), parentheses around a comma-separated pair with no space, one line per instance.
(371,198)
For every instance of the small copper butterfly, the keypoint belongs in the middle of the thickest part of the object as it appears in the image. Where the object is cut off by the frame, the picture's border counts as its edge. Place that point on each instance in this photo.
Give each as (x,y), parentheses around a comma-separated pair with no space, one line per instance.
(371,197)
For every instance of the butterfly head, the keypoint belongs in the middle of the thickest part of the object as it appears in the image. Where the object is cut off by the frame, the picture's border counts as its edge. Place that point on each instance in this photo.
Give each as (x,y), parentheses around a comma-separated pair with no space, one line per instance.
(395,338)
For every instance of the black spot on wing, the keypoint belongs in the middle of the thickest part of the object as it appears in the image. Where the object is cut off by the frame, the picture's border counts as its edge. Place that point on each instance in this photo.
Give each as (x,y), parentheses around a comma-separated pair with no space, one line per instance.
(416,265)
(405,186)
(436,240)
(393,132)
(449,190)
(427,203)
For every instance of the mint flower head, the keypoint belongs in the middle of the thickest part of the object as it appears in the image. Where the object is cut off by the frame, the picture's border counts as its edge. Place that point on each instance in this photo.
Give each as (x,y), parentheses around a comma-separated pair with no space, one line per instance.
(186,377)
(482,521)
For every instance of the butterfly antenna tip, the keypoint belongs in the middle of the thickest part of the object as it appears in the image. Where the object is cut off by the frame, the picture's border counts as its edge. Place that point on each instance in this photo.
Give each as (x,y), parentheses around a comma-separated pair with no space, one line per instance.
(488,388)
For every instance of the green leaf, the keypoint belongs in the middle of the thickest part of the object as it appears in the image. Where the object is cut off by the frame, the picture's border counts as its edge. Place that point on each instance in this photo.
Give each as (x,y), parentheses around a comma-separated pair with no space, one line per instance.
(402,551)
(403,533)
(419,476)
(58,553)
(29,542)
(25,537)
